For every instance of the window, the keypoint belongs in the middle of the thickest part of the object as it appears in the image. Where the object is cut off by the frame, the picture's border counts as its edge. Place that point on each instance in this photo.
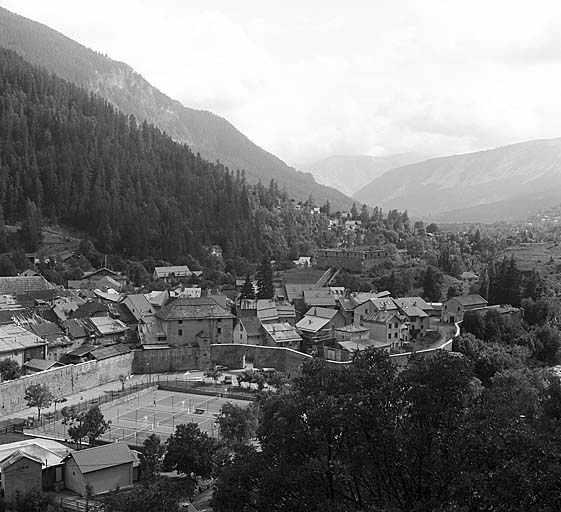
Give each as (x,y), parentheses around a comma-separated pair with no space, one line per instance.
(241,336)
(180,322)
(389,335)
(395,335)
(180,332)
(219,330)
(396,325)
(458,310)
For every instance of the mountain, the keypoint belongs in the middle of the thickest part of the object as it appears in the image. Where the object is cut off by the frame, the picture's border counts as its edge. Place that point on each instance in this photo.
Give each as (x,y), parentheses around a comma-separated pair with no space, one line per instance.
(349,173)
(503,183)
(210,135)
(73,158)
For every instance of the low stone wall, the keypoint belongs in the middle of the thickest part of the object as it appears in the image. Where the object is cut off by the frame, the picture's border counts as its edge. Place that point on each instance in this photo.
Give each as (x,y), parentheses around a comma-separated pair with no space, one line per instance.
(166,360)
(64,381)
(290,361)
(283,359)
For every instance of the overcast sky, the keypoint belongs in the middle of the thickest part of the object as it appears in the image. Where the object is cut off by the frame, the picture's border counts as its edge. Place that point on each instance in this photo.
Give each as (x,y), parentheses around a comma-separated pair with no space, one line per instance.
(310,78)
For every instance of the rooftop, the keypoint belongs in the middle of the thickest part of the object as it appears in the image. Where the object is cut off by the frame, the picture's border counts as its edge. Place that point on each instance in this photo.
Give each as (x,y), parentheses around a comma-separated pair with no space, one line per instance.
(469,300)
(22,284)
(380,317)
(282,333)
(193,308)
(14,339)
(102,457)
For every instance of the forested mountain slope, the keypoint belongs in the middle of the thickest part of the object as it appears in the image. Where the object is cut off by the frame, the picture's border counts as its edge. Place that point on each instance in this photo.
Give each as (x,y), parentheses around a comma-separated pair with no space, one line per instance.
(133,189)
(212,136)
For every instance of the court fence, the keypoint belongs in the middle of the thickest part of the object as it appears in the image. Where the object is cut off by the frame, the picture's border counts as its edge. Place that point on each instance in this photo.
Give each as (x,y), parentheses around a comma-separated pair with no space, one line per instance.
(112,397)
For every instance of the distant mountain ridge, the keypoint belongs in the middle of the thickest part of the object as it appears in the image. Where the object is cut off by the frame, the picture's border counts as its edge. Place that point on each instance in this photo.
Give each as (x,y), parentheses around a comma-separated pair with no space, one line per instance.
(210,135)
(506,183)
(349,173)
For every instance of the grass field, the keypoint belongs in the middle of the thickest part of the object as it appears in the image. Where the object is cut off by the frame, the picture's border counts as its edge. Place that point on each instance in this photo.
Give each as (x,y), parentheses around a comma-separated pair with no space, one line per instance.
(156,412)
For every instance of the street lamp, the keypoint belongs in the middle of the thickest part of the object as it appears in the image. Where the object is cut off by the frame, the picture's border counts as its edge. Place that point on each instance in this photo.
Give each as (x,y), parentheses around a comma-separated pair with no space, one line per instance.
(148,371)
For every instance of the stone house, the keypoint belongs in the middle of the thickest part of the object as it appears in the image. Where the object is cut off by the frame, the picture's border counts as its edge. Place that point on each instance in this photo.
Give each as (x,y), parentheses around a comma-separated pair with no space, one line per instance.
(385,326)
(104,468)
(453,309)
(182,319)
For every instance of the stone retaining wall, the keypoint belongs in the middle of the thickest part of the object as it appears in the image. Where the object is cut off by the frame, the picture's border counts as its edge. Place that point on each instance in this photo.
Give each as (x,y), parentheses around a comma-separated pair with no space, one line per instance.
(64,381)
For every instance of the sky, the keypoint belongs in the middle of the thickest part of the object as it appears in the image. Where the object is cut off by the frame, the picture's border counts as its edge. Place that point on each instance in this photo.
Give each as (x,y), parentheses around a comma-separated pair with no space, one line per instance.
(312,78)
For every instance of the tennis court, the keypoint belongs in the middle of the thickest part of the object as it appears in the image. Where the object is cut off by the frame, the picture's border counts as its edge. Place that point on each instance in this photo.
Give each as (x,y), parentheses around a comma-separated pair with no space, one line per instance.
(153,411)
(159,412)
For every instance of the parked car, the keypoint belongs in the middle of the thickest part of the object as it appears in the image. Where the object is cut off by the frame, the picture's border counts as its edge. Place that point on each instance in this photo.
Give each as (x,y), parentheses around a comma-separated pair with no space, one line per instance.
(221,368)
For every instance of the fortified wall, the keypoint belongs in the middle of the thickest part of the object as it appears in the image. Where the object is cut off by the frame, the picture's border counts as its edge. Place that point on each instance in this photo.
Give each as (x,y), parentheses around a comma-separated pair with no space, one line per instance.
(64,381)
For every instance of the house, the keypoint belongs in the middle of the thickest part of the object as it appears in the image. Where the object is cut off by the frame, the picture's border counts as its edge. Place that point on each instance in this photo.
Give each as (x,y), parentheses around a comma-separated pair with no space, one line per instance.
(79,330)
(58,342)
(318,326)
(468,280)
(139,307)
(215,251)
(348,340)
(385,326)
(101,278)
(182,319)
(39,365)
(453,309)
(177,271)
(104,468)
(303,261)
(31,464)
(20,345)
(416,319)
(374,305)
(321,298)
(90,309)
(23,284)
(157,298)
(108,330)
(248,330)
(282,334)
(352,225)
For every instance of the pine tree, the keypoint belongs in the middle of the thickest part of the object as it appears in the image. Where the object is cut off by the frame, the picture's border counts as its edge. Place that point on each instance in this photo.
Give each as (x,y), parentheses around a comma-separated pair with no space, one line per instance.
(248,292)
(31,228)
(265,279)
(432,284)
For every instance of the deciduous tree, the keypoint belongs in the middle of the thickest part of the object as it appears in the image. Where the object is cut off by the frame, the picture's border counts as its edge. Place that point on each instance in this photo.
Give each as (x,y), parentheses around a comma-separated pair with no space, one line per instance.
(38,395)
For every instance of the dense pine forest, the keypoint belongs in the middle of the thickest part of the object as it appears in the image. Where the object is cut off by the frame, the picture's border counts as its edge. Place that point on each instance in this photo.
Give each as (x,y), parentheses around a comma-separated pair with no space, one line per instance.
(70,157)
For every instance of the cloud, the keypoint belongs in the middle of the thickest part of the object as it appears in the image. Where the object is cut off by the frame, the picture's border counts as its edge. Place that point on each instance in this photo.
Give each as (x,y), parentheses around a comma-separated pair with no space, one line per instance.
(308,79)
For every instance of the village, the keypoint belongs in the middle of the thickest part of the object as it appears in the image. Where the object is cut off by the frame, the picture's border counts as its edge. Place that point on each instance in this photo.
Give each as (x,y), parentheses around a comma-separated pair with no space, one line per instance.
(91,333)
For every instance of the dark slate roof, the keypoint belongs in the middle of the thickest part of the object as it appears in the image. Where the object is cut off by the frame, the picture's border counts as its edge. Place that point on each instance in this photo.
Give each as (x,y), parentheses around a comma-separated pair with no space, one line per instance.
(89,309)
(20,284)
(110,351)
(252,325)
(193,308)
(102,457)
(124,313)
(40,364)
(76,328)
(381,317)
(470,300)
(46,329)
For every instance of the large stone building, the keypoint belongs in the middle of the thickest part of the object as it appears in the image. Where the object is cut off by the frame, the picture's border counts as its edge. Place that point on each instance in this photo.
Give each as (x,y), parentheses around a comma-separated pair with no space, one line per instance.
(358,259)
(185,320)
